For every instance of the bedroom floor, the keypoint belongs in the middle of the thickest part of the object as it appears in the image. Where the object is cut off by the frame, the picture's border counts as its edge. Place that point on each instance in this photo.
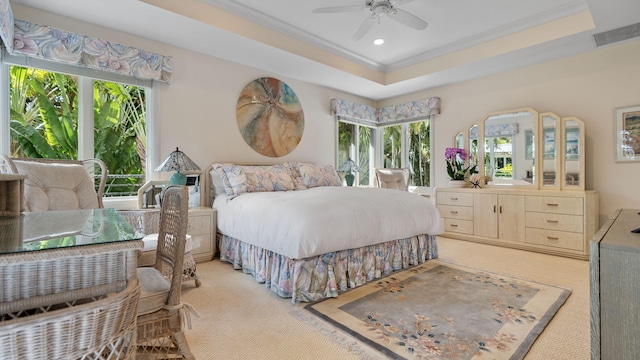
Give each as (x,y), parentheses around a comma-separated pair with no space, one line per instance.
(241,319)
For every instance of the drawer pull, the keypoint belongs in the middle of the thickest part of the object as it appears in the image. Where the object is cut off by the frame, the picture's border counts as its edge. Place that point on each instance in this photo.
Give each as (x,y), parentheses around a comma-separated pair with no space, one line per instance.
(552,204)
(454,212)
(553,221)
(454,225)
(552,238)
(454,199)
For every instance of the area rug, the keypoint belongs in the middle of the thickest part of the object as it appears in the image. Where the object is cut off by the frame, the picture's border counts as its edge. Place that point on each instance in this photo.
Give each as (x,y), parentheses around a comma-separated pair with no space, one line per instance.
(439,310)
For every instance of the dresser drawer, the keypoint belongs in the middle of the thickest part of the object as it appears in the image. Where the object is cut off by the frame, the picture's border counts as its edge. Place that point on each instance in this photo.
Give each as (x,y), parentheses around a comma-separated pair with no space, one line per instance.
(456,212)
(458,226)
(552,238)
(561,222)
(555,205)
(451,198)
(199,224)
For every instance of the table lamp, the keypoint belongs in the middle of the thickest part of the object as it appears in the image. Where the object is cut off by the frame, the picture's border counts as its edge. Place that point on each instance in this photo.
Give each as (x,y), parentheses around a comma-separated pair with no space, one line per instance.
(177,161)
(349,167)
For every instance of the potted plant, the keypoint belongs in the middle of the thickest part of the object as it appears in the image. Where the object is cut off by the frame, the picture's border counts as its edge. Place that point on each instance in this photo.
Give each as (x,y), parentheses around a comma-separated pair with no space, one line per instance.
(455,158)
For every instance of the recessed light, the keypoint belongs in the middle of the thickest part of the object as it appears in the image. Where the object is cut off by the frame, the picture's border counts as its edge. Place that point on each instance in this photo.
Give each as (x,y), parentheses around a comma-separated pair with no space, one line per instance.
(378,41)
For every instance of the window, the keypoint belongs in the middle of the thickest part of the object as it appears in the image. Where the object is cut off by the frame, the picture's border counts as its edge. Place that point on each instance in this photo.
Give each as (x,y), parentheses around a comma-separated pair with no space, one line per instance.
(355,143)
(55,115)
(401,145)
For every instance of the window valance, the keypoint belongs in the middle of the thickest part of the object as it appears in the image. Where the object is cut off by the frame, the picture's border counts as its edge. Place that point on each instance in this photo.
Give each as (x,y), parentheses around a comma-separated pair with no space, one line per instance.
(410,111)
(52,44)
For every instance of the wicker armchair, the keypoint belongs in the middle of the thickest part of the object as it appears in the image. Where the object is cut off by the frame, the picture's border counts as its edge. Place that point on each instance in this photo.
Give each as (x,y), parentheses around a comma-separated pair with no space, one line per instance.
(161,315)
(59,184)
(102,329)
(393,178)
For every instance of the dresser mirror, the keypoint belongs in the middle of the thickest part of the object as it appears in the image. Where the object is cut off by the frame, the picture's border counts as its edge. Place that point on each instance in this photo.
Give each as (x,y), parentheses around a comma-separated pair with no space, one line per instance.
(518,143)
(551,145)
(458,141)
(573,159)
(473,145)
(509,147)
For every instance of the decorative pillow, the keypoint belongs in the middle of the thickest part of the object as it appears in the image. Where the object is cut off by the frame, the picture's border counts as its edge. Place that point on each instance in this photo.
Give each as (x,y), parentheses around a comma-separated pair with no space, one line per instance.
(269,178)
(294,171)
(319,175)
(240,179)
(217,185)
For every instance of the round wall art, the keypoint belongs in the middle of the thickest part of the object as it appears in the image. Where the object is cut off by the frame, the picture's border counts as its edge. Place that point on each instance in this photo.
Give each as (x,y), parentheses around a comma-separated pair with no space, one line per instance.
(270,117)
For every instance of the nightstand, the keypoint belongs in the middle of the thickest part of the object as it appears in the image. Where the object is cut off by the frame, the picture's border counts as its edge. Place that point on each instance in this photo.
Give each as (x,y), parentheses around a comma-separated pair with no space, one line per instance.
(201,227)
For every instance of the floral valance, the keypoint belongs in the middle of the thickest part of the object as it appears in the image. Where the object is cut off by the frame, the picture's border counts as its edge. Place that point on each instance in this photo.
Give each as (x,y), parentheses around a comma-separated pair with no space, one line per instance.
(52,44)
(414,110)
(352,110)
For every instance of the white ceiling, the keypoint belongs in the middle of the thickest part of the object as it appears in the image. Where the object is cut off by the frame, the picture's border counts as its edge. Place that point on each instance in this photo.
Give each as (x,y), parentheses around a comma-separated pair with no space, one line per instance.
(465,39)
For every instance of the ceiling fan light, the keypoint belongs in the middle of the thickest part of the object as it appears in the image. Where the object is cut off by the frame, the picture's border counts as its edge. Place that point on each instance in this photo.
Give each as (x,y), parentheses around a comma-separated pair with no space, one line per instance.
(392,12)
(378,41)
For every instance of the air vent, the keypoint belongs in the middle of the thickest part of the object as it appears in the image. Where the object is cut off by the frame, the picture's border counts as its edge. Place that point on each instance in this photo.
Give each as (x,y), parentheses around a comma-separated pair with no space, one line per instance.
(619,34)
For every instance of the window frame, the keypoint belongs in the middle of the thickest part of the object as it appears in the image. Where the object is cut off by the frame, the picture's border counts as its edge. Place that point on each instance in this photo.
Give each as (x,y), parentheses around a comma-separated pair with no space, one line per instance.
(86,78)
(378,145)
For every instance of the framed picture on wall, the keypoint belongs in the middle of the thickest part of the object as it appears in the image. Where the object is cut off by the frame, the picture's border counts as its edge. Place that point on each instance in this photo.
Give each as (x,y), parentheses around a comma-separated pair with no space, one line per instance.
(627,132)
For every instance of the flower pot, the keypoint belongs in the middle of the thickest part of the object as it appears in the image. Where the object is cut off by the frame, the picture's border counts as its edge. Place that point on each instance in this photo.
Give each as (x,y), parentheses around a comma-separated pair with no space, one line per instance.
(458,183)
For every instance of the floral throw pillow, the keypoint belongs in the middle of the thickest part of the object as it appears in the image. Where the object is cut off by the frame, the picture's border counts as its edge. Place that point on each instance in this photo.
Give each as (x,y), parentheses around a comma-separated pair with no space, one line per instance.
(240,179)
(319,175)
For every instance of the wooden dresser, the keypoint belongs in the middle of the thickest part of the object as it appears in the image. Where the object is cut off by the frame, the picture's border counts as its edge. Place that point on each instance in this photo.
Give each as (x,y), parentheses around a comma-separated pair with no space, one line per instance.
(553,222)
(615,288)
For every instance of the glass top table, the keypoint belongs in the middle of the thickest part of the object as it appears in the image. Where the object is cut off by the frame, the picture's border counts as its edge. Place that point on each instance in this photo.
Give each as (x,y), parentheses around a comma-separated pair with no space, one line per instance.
(63,229)
(60,257)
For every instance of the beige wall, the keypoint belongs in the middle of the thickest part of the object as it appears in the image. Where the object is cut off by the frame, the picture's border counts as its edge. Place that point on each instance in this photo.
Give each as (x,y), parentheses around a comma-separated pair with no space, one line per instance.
(197,111)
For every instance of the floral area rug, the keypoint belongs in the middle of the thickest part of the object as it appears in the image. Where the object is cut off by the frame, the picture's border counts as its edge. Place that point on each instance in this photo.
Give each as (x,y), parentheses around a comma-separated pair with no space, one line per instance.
(439,310)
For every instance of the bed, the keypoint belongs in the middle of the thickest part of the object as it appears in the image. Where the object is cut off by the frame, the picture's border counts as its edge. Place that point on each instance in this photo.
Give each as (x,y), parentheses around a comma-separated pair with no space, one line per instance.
(293,227)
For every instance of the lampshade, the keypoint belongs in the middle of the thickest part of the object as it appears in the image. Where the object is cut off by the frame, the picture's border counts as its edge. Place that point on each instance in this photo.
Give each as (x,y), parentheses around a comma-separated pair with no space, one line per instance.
(178,161)
(349,166)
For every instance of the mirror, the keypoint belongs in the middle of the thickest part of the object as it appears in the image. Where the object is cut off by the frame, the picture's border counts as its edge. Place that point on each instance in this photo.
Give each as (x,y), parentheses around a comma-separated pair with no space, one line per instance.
(473,145)
(458,141)
(550,149)
(509,147)
(573,160)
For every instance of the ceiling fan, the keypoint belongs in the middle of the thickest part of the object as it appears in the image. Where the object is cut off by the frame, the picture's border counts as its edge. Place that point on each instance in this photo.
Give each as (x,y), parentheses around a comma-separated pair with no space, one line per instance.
(378,8)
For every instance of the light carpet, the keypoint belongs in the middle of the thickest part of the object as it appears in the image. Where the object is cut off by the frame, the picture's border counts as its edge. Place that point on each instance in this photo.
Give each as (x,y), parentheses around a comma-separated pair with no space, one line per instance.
(439,310)
(240,319)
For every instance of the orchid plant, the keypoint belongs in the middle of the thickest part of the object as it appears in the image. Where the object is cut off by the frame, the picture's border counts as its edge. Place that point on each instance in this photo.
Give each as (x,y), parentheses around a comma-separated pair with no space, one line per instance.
(455,163)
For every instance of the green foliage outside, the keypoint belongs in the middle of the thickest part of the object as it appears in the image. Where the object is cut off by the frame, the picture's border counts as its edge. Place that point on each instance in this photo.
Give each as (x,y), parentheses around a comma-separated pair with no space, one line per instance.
(419,152)
(44,124)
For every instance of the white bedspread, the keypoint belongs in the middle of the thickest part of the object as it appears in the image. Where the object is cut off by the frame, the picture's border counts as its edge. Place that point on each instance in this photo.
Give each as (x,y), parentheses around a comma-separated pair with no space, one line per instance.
(304,223)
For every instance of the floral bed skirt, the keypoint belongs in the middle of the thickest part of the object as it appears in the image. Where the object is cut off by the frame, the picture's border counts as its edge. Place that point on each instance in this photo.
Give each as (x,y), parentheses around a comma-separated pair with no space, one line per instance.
(315,278)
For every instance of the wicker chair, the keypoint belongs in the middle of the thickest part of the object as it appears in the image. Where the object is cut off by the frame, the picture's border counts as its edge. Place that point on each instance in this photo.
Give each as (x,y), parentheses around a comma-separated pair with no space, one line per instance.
(161,315)
(146,222)
(102,329)
(58,184)
(393,178)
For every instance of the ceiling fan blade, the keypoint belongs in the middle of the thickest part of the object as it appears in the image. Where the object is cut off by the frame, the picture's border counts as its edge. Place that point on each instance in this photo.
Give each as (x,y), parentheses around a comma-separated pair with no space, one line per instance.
(364,28)
(338,9)
(399,2)
(408,19)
